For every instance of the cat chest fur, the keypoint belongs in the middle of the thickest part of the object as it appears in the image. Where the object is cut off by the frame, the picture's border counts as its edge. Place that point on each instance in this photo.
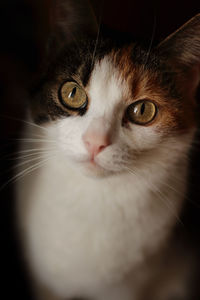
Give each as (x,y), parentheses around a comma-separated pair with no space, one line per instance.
(83,232)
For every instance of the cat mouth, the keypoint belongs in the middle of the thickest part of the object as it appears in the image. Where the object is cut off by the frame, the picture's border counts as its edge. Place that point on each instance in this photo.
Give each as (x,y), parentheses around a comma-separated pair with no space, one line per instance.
(92,163)
(93,168)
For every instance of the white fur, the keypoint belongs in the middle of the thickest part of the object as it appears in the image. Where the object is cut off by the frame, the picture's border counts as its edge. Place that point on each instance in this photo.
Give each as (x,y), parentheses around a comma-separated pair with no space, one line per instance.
(84,235)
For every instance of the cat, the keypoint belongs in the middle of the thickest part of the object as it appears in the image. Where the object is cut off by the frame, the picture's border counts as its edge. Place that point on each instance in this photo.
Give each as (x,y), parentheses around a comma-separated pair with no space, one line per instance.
(107,138)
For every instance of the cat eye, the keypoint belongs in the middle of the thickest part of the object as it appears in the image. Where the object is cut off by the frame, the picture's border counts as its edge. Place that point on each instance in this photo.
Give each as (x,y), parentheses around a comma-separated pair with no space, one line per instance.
(142,112)
(73,96)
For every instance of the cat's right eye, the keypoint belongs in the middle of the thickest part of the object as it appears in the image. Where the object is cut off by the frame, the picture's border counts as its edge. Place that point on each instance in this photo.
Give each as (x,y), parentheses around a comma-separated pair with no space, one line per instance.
(72,96)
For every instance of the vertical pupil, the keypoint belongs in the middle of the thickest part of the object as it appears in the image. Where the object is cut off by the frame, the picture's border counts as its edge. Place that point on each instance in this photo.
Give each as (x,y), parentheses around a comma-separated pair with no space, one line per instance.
(72,93)
(142,109)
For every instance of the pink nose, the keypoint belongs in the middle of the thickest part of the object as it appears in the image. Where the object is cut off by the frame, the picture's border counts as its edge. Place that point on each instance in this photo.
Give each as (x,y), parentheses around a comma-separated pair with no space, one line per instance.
(95,142)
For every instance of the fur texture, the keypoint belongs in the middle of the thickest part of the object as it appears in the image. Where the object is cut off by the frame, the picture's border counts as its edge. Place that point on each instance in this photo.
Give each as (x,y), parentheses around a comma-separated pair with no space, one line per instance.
(101,228)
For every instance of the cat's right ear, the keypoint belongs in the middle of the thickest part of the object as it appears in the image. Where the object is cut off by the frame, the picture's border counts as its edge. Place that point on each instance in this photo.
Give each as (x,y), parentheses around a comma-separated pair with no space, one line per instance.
(69,20)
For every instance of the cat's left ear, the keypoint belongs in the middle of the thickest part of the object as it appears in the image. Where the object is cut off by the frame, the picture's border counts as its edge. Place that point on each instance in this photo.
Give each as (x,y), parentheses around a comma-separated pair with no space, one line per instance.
(181,50)
(69,20)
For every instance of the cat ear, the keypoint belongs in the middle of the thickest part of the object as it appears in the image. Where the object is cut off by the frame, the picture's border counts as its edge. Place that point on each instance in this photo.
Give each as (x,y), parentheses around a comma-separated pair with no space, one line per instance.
(183,46)
(181,50)
(69,20)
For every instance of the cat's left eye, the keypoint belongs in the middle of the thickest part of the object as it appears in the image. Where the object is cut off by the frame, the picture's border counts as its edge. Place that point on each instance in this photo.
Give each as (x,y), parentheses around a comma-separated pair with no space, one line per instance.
(142,112)
(72,96)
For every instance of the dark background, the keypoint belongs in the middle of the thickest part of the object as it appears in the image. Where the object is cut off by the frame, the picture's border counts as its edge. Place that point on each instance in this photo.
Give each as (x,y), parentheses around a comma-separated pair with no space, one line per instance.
(24,29)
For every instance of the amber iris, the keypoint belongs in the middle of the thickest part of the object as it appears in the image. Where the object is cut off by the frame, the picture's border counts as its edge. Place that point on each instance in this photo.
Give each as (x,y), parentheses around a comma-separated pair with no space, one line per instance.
(142,112)
(72,96)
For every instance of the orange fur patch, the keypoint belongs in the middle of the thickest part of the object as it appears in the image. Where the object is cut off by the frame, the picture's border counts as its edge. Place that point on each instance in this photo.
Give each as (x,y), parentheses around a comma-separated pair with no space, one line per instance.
(174,114)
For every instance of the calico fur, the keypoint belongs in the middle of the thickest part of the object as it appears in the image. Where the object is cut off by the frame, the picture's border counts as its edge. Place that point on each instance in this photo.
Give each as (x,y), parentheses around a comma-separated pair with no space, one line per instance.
(104,231)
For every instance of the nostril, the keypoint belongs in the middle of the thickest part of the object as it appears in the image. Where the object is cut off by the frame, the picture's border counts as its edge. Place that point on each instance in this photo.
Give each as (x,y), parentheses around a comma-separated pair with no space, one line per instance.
(101,147)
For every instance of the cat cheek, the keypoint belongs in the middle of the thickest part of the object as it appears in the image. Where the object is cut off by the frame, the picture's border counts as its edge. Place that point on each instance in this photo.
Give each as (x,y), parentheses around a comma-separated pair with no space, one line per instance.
(142,138)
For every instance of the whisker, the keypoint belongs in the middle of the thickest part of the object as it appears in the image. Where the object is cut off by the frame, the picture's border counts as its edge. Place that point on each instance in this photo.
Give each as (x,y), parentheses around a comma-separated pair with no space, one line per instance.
(34,135)
(160,194)
(27,161)
(179,193)
(33,149)
(29,140)
(15,155)
(25,156)
(24,121)
(151,41)
(95,46)
(98,34)
(24,162)
(23,173)
(30,155)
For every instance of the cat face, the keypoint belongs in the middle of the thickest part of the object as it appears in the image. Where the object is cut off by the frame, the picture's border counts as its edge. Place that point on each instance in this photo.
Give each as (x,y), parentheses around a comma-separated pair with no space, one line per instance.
(115,112)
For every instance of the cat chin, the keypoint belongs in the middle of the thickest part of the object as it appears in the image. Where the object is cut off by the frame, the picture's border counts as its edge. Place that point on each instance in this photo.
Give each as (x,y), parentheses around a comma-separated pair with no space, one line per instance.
(92,169)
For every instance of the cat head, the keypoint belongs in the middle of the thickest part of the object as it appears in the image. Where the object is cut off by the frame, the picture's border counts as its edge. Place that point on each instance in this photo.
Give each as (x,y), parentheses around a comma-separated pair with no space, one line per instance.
(114,106)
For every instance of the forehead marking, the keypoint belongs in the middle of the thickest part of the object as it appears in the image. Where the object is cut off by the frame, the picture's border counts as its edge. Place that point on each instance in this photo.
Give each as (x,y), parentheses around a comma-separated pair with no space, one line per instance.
(106,88)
